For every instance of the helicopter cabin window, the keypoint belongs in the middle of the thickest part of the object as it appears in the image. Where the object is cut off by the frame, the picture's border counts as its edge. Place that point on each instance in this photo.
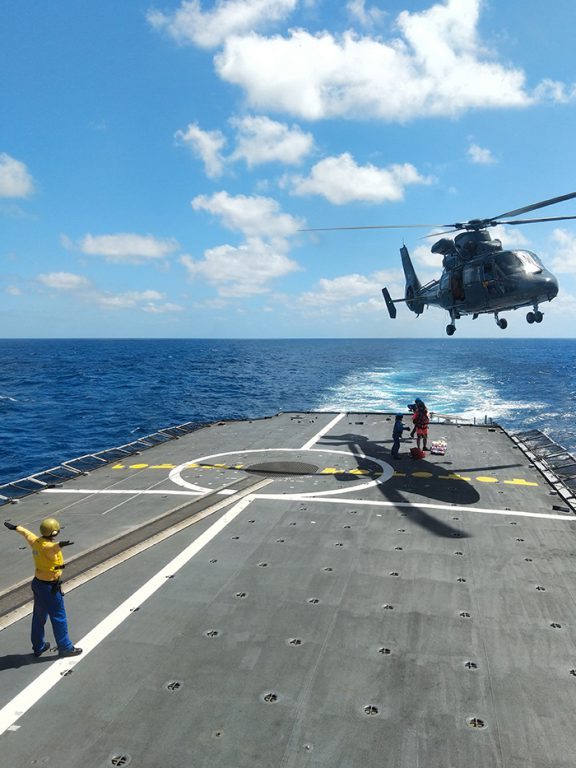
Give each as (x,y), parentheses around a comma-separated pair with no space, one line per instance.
(457,285)
(513,262)
(488,269)
(470,275)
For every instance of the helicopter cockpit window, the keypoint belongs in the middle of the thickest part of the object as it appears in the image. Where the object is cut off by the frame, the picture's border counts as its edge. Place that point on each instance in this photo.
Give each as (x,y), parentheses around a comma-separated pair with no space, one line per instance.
(529,262)
(512,262)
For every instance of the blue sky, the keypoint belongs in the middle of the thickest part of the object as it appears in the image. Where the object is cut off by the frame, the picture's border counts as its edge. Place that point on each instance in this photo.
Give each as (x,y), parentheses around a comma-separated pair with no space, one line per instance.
(158,159)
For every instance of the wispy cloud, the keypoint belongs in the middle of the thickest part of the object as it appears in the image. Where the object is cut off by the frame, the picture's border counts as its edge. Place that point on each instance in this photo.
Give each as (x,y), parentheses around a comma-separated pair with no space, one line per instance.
(565,251)
(124,247)
(205,145)
(480,155)
(209,29)
(83,289)
(366,17)
(64,281)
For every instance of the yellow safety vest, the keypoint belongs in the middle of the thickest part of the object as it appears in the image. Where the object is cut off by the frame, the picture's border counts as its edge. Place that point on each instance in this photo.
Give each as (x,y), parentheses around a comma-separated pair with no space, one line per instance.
(47,555)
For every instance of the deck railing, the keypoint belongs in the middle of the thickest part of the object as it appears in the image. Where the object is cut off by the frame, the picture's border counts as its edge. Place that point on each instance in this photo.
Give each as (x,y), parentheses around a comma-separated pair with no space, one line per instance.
(11,492)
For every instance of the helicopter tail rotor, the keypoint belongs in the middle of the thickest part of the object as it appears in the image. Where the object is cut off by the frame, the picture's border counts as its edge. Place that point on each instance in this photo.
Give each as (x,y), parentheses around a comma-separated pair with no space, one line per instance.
(389,303)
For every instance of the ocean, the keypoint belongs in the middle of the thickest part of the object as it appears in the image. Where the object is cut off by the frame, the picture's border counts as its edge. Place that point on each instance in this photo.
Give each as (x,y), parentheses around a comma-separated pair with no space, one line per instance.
(63,398)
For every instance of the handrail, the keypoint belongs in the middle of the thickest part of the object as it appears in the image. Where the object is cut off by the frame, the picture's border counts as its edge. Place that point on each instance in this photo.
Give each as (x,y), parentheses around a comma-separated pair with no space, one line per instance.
(12,492)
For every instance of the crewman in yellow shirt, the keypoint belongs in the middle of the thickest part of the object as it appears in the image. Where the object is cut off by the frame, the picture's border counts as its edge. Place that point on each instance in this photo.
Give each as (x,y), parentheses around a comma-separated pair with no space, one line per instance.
(46,586)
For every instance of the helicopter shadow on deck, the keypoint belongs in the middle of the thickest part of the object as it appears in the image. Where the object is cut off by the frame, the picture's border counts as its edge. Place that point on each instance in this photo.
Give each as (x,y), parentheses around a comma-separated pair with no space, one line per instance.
(396,488)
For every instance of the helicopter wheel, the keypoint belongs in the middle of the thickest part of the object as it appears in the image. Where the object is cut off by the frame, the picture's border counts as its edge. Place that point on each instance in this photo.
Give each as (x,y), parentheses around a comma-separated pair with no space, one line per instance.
(531,317)
(451,329)
(538,316)
(502,323)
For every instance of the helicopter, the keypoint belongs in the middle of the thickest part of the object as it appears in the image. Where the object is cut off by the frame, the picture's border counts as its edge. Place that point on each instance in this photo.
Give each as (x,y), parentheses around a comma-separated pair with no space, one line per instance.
(479,276)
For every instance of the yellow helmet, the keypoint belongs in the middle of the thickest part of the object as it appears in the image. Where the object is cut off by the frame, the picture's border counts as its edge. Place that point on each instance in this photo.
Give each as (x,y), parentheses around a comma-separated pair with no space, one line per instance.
(49,527)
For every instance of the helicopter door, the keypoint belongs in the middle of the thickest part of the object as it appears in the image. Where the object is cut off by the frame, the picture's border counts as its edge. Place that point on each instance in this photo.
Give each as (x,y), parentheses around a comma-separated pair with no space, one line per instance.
(490,279)
(457,285)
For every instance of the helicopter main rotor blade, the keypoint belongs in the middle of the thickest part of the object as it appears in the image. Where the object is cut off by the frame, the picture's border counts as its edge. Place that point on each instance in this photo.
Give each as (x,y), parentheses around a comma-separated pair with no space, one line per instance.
(374,226)
(534,206)
(445,232)
(534,221)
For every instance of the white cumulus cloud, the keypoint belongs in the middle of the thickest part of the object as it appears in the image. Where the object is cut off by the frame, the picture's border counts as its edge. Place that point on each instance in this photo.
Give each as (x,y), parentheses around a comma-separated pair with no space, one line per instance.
(208,29)
(436,66)
(262,140)
(341,180)
(15,179)
(244,270)
(126,247)
(254,216)
(259,140)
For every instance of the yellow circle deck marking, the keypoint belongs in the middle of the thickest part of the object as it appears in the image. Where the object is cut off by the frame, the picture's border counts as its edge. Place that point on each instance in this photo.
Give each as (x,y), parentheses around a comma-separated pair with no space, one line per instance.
(330,471)
(387,471)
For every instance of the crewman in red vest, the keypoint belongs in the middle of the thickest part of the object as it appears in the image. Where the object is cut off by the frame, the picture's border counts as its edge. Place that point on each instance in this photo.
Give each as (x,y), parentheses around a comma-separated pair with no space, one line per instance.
(421,420)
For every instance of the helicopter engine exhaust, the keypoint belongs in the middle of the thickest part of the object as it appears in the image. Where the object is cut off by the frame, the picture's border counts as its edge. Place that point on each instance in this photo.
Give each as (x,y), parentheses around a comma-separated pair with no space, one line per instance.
(413,286)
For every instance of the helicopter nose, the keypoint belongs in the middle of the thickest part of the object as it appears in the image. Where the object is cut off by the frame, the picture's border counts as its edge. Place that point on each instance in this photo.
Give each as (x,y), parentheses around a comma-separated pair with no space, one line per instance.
(548,285)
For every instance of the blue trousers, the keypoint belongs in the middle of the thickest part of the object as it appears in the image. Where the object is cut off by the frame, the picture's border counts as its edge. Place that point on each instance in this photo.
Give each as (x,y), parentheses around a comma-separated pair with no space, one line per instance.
(395,447)
(48,601)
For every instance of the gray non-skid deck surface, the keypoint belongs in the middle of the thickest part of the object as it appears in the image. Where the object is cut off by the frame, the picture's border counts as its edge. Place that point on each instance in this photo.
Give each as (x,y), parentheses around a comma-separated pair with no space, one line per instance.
(373,626)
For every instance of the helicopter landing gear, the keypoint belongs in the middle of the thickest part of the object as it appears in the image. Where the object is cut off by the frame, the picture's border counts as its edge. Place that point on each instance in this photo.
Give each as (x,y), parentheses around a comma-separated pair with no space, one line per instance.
(500,322)
(451,327)
(535,317)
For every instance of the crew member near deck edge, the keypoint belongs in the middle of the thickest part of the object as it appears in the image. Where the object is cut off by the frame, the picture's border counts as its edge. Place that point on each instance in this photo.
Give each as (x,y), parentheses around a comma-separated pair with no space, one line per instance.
(421,420)
(46,586)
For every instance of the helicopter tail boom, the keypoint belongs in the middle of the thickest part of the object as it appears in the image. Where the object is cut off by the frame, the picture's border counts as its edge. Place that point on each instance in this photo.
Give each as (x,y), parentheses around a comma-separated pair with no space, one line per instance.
(413,286)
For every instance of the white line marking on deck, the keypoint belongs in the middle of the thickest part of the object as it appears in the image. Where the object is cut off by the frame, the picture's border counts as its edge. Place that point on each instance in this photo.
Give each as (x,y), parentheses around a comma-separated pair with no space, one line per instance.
(445,507)
(322,432)
(33,692)
(125,492)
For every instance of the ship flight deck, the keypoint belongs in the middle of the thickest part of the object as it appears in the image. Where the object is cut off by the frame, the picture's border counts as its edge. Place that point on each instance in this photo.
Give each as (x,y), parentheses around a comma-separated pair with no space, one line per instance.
(281,592)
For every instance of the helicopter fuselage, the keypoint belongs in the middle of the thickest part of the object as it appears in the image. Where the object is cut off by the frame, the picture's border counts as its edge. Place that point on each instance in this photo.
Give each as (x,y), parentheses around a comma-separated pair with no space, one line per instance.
(491,282)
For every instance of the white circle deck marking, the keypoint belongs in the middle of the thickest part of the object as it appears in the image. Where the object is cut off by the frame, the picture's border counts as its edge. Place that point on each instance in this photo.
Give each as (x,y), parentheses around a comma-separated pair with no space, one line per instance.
(387,470)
